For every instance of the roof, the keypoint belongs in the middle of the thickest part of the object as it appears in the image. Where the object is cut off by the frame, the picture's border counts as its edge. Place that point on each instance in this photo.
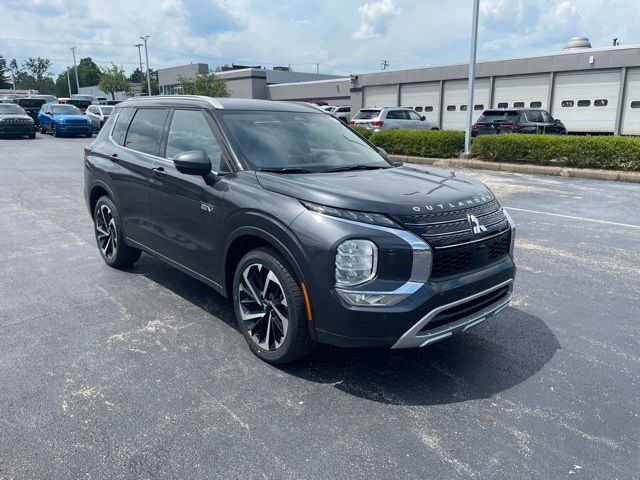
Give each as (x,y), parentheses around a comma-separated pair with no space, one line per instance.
(217,103)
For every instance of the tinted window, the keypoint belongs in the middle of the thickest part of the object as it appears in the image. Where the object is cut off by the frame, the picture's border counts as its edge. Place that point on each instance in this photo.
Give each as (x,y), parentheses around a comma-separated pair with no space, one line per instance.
(546,117)
(518,104)
(534,116)
(463,108)
(478,107)
(124,117)
(635,104)
(498,116)
(600,102)
(451,108)
(567,103)
(535,104)
(503,105)
(145,131)
(414,116)
(344,110)
(418,109)
(428,108)
(397,115)
(584,103)
(366,114)
(189,130)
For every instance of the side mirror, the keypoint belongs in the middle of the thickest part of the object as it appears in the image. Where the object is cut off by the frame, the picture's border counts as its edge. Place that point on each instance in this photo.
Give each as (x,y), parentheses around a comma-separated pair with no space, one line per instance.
(557,121)
(195,162)
(423,118)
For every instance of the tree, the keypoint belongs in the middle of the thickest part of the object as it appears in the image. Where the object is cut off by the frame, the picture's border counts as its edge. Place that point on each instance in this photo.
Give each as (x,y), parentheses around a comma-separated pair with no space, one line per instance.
(4,72)
(88,72)
(113,80)
(62,84)
(38,68)
(137,76)
(208,84)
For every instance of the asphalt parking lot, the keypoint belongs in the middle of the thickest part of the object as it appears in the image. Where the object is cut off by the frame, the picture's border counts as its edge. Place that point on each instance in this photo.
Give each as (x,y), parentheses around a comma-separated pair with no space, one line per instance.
(141,373)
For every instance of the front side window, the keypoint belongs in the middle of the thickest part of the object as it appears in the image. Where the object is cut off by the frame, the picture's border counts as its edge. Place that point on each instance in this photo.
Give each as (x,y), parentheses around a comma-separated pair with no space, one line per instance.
(189,130)
(295,140)
(397,115)
(145,131)
(414,116)
(534,116)
(546,117)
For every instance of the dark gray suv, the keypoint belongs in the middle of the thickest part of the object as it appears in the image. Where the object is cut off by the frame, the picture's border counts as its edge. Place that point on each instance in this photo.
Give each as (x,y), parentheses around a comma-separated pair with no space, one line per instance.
(315,234)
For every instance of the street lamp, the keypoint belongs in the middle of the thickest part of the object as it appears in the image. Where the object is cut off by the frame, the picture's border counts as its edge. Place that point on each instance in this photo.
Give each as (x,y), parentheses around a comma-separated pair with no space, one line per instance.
(472,77)
(140,58)
(73,49)
(146,54)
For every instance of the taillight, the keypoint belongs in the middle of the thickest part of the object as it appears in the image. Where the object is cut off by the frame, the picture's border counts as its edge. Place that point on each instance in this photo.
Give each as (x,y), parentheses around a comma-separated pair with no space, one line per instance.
(352,122)
(476,125)
(377,123)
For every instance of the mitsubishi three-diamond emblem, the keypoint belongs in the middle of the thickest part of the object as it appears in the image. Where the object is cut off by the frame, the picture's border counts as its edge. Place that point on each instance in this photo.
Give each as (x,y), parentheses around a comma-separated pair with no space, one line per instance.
(476,226)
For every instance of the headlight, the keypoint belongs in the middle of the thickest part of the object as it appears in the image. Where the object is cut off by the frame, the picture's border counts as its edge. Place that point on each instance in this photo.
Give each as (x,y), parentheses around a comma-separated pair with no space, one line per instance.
(362,217)
(356,262)
(59,120)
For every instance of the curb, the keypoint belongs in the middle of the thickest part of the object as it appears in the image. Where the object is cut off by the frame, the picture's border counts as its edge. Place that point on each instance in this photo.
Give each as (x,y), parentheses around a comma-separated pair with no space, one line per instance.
(611,175)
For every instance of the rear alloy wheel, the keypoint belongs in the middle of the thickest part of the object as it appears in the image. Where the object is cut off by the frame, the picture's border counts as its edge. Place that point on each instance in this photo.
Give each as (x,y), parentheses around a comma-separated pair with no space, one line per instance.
(270,308)
(54,130)
(115,252)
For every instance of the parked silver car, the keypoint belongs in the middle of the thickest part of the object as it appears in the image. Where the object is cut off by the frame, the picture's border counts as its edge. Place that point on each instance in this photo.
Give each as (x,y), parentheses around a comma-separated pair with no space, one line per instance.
(343,112)
(98,115)
(377,119)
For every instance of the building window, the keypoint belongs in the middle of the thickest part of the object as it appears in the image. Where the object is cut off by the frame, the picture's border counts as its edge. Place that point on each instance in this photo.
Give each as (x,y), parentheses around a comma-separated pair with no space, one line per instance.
(503,105)
(584,103)
(452,108)
(535,105)
(518,104)
(601,102)
(635,104)
(478,107)
(428,108)
(463,108)
(418,109)
(567,103)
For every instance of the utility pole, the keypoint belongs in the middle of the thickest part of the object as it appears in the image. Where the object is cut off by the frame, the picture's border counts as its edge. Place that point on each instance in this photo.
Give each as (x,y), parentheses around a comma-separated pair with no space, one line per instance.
(317,68)
(146,54)
(75,67)
(140,57)
(472,76)
(69,82)
(385,64)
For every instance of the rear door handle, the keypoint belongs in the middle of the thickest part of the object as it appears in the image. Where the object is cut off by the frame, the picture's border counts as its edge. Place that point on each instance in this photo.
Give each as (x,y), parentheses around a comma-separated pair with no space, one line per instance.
(159,172)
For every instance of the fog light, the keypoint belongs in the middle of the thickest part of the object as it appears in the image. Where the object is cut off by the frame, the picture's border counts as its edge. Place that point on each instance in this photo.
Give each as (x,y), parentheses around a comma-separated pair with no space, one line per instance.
(371,299)
(356,262)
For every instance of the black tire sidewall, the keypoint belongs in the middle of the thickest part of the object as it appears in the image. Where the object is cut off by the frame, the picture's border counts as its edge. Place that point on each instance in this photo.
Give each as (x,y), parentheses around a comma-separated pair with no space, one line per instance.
(125,255)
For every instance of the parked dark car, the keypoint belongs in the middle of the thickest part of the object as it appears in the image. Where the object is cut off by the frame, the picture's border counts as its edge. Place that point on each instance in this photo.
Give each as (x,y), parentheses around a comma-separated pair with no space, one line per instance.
(315,234)
(14,122)
(80,103)
(517,120)
(31,106)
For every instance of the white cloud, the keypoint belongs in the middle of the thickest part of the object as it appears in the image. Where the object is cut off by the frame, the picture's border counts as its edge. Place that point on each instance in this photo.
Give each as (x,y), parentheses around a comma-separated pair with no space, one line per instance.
(375,18)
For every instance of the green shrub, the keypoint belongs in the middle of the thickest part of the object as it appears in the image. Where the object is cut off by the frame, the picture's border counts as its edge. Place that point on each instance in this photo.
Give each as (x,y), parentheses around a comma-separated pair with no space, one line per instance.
(362,131)
(420,143)
(611,152)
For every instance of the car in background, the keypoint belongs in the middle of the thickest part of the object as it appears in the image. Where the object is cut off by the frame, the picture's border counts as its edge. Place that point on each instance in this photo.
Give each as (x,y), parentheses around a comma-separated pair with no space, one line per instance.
(64,119)
(98,114)
(328,108)
(79,96)
(46,98)
(388,118)
(101,100)
(15,122)
(343,113)
(517,120)
(113,102)
(31,106)
(8,97)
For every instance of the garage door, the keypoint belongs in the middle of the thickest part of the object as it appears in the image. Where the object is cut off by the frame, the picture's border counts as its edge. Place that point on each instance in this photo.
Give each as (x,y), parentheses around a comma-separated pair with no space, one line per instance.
(424,98)
(631,109)
(455,102)
(381,96)
(529,91)
(586,102)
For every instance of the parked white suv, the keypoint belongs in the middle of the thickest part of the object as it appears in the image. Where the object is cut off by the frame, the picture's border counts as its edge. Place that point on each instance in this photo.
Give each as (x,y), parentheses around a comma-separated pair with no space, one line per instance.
(98,114)
(377,119)
(343,112)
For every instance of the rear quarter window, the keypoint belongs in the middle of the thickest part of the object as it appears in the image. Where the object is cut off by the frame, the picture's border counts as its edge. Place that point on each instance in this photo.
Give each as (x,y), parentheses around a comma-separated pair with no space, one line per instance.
(122,122)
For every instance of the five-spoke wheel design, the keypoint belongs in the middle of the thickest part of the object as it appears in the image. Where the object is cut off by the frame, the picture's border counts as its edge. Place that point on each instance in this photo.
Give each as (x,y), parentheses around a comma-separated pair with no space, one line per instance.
(263,306)
(106,231)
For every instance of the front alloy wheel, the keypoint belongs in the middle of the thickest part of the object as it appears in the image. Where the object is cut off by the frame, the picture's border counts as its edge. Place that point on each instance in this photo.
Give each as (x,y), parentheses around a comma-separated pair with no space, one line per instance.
(106,232)
(110,237)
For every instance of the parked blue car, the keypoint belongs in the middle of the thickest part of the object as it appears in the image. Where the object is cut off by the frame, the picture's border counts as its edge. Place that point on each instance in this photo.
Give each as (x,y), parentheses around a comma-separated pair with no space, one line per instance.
(62,119)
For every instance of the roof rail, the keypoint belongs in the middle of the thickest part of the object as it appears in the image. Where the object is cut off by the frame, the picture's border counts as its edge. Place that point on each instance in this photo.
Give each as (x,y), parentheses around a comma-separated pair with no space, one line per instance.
(213,101)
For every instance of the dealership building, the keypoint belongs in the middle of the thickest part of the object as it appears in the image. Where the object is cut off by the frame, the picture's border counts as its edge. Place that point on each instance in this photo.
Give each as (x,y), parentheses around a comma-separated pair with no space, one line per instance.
(592,90)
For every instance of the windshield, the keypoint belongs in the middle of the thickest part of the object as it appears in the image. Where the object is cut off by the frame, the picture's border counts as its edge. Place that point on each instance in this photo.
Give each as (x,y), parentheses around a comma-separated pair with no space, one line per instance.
(65,110)
(298,141)
(498,116)
(106,110)
(366,114)
(7,108)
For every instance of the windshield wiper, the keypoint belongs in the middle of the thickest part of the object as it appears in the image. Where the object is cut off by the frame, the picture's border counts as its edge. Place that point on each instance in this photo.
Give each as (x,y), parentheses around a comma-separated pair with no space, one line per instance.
(286,170)
(355,167)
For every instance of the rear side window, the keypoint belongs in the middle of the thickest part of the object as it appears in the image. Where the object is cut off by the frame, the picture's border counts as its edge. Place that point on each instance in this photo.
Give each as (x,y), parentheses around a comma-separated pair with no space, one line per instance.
(124,117)
(145,131)
(189,130)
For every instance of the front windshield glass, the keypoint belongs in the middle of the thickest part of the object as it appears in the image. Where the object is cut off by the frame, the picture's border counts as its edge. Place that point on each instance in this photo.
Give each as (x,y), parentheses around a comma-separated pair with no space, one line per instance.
(106,110)
(305,141)
(8,109)
(65,110)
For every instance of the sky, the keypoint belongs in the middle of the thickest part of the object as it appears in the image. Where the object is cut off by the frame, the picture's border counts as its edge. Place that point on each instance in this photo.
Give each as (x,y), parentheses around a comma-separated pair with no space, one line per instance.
(343,36)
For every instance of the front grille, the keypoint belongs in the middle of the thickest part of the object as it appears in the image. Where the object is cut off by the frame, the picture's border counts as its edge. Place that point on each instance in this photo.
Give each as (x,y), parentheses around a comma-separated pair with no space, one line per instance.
(83,122)
(465,258)
(16,121)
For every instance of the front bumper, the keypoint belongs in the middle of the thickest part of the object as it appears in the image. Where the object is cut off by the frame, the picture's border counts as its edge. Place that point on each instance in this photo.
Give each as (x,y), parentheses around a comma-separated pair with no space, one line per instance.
(74,128)
(17,130)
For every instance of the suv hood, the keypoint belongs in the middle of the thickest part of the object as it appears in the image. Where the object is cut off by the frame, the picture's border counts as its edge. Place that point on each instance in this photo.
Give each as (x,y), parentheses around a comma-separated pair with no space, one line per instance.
(395,191)
(69,116)
(14,116)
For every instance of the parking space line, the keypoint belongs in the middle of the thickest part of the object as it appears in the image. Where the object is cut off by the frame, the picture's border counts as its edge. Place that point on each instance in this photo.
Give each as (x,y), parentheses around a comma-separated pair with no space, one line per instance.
(574,218)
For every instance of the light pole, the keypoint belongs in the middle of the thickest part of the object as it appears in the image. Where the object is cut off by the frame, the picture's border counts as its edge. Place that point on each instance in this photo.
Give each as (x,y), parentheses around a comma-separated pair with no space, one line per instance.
(472,76)
(146,55)
(69,82)
(75,67)
(140,57)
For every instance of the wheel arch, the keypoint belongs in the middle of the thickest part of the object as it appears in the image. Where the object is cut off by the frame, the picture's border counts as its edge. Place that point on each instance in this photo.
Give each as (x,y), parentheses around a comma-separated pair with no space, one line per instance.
(99,189)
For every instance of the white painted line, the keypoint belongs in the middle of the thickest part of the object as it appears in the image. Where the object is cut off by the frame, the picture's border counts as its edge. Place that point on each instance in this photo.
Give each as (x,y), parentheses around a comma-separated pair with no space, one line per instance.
(574,218)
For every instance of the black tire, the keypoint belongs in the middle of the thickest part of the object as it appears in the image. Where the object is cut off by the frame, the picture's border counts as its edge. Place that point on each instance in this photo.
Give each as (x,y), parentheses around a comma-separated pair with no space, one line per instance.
(32,136)
(43,129)
(89,134)
(108,231)
(435,128)
(54,130)
(295,341)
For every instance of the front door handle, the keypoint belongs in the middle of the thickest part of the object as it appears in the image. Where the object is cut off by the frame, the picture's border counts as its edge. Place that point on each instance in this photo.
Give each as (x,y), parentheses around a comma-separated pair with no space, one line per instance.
(159,172)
